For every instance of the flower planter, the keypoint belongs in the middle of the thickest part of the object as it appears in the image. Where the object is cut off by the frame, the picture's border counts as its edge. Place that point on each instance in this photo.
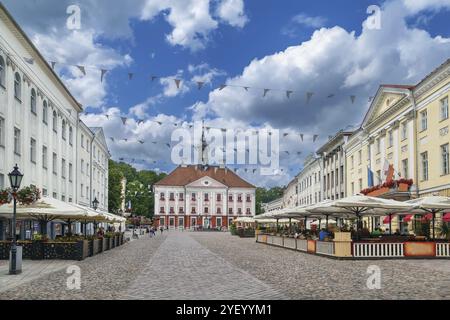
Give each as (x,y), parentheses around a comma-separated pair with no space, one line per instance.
(403,187)
(105,244)
(5,248)
(37,251)
(378,192)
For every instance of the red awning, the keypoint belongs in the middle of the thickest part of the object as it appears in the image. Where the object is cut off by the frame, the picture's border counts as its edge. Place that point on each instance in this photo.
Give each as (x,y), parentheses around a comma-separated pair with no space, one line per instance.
(387,219)
(446,217)
(408,218)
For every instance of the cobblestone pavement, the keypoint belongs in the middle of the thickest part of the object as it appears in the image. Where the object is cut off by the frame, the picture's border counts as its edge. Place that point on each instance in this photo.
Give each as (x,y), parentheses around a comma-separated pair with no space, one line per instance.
(188,265)
(303,276)
(182,268)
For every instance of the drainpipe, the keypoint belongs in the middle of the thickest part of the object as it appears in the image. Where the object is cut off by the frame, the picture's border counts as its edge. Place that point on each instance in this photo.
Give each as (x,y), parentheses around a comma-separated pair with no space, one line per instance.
(416,151)
(90,170)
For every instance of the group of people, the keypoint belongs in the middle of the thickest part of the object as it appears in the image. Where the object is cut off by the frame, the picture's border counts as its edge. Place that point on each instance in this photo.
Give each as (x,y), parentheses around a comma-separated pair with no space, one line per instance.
(152,230)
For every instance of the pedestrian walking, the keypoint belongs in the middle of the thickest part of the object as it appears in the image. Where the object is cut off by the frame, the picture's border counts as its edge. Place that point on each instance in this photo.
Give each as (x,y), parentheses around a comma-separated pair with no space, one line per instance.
(161,229)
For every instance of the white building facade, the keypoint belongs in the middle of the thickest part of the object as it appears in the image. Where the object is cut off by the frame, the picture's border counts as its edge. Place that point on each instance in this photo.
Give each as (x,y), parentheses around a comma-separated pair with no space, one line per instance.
(309,182)
(40,126)
(202,196)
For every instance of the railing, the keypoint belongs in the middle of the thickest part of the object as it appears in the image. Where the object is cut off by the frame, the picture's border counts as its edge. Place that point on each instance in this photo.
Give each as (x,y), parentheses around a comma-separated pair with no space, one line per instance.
(377,250)
(442,249)
(290,243)
(326,248)
(302,245)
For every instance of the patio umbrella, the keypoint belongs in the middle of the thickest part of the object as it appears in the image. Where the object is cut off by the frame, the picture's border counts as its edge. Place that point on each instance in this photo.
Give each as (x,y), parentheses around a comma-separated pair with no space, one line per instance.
(45,210)
(360,205)
(430,205)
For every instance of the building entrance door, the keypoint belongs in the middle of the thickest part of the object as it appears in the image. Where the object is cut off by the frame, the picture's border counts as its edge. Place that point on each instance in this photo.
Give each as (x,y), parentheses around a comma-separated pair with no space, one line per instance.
(171,223)
(206,223)
(180,223)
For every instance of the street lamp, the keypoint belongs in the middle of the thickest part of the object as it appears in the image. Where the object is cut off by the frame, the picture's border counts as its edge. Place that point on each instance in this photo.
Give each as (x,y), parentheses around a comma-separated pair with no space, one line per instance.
(95,203)
(15,178)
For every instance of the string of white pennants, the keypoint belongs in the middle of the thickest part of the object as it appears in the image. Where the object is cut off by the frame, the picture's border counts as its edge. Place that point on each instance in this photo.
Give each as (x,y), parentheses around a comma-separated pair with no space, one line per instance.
(143,161)
(124,120)
(200,84)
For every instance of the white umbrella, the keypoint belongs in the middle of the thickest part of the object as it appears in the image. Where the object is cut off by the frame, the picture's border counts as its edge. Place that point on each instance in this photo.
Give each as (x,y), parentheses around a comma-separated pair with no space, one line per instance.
(360,205)
(245,220)
(432,204)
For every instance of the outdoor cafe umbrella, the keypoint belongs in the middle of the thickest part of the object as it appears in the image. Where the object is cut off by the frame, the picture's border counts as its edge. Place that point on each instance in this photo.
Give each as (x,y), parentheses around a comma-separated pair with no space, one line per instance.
(360,205)
(430,205)
(45,210)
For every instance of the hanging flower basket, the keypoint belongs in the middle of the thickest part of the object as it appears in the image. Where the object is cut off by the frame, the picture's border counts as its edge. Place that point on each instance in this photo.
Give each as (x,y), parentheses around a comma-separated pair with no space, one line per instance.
(25,196)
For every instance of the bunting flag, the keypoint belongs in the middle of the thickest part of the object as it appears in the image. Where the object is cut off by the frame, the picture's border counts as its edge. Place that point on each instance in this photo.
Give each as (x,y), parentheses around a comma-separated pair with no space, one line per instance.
(222,86)
(254,170)
(130,76)
(158,122)
(288,93)
(103,74)
(287,152)
(168,145)
(370,99)
(301,136)
(28,60)
(124,120)
(309,96)
(154,77)
(285,135)
(177,82)
(154,142)
(265,92)
(352,98)
(139,121)
(107,116)
(53,63)
(112,139)
(246,88)
(141,141)
(82,69)
(299,153)
(236,169)
(316,136)
(330,96)
(200,84)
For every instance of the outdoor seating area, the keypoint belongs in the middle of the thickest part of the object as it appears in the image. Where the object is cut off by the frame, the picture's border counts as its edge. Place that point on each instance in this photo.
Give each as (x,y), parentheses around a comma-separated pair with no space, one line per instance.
(52,229)
(361,227)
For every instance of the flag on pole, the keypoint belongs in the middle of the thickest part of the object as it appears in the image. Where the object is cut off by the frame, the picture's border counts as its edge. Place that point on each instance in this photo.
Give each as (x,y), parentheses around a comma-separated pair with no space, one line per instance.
(53,63)
(124,120)
(369,176)
(103,74)
(177,82)
(265,92)
(82,69)
(288,93)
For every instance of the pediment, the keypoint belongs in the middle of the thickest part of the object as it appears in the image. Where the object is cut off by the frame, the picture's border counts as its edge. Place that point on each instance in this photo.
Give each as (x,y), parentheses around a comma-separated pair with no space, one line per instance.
(206,182)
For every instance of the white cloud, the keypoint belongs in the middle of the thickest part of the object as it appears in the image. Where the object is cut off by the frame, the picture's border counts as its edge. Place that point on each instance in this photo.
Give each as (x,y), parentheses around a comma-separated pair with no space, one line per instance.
(204,73)
(80,48)
(232,12)
(415,6)
(309,21)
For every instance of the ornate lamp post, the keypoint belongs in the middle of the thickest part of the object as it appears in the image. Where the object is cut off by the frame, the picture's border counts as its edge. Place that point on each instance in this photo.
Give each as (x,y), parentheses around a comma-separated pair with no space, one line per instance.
(15,178)
(95,207)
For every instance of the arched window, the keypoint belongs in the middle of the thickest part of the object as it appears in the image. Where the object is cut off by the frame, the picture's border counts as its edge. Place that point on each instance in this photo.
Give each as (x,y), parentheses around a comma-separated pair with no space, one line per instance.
(55,122)
(45,112)
(17,86)
(63,129)
(70,135)
(33,101)
(2,71)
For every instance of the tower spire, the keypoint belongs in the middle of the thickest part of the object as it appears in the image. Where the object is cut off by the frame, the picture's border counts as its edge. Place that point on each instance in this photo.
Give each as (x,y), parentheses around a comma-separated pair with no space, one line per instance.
(204,146)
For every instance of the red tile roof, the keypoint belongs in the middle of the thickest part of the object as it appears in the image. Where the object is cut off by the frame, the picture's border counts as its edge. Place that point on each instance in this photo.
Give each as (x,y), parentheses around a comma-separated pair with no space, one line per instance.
(183,176)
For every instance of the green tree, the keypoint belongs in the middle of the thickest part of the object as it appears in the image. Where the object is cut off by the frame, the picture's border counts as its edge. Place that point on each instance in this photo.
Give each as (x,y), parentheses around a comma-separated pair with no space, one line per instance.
(115,189)
(267,195)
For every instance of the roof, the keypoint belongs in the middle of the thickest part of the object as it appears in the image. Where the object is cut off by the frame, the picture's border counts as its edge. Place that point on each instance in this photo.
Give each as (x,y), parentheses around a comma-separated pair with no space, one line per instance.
(38,53)
(397,86)
(185,175)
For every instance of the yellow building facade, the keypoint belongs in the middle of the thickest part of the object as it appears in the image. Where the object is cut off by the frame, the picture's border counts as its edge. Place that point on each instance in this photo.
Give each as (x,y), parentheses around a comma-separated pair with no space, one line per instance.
(407,127)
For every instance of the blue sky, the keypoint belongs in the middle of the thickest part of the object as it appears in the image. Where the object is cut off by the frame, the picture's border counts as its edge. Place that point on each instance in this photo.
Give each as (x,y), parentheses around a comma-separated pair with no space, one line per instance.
(323,47)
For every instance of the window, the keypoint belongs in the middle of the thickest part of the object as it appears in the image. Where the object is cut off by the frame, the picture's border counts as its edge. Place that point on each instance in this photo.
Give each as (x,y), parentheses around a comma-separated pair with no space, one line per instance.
(360,184)
(405,168)
(248,211)
(404,130)
(230,198)
(70,172)
(44,157)
(193,197)
(171,196)
(87,145)
(82,141)
(54,163)
(181,210)
(44,192)
(45,112)
(55,122)
(33,101)
(230,211)
(2,180)
(63,168)
(88,173)
(378,176)
(359,156)
(2,131)
(378,145)
(239,210)
(206,209)
(17,141)
(219,210)
(444,108)
(162,196)
(193,210)
(63,129)
(206,197)
(87,192)
(70,135)
(390,139)
(352,162)
(219,197)
(33,150)
(239,198)
(82,166)
(249,199)
(445,159)
(17,86)
(171,210)
(55,195)
(82,190)
(424,160)
(423,120)
(2,72)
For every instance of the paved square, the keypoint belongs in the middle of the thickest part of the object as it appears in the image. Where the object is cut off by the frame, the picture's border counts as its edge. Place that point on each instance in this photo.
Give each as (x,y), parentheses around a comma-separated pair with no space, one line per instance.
(188,265)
